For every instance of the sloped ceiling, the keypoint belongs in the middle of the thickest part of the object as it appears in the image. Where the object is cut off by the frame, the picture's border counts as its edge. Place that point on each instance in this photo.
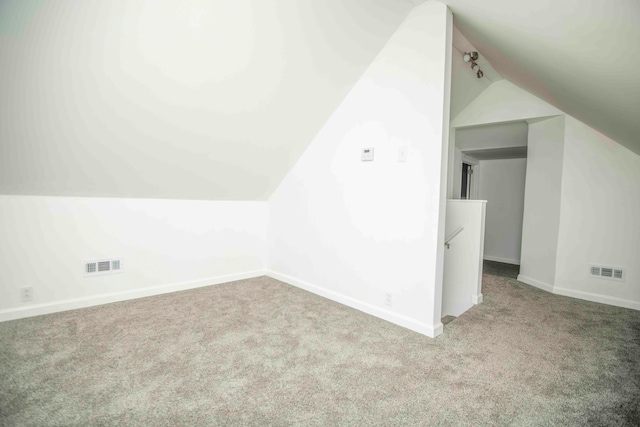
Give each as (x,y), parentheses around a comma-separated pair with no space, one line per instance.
(582,57)
(465,85)
(194,99)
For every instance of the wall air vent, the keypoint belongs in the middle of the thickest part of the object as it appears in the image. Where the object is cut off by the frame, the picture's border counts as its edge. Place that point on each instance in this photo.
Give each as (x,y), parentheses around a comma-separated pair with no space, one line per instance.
(611,273)
(90,267)
(99,267)
(606,272)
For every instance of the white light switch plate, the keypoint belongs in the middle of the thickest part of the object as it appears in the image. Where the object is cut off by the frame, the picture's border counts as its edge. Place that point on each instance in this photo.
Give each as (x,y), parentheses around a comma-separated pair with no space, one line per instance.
(367,154)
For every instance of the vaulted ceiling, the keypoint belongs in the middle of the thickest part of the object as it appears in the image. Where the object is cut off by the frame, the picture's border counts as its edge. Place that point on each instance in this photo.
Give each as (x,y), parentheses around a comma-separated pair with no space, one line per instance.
(582,57)
(190,99)
(217,99)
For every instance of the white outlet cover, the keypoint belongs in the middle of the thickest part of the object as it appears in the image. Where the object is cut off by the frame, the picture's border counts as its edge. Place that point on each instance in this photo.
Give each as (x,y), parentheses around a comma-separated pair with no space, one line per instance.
(26,294)
(367,154)
(388,299)
(403,154)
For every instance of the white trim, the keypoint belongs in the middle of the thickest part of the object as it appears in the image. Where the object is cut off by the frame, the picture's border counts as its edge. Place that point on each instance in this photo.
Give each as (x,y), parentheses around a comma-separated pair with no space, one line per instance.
(535,283)
(483,222)
(603,299)
(466,201)
(76,303)
(502,260)
(585,296)
(477,299)
(469,160)
(398,319)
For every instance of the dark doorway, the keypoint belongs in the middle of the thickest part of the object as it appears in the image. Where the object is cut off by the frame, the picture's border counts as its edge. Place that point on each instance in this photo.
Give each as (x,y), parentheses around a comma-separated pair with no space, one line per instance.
(466,181)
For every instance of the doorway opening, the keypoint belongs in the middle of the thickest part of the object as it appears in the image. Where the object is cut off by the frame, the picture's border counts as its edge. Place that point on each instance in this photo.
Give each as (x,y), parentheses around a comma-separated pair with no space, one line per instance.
(465,189)
(492,165)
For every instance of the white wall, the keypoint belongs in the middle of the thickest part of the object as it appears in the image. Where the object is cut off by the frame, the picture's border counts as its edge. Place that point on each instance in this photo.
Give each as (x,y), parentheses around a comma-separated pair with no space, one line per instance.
(455,178)
(356,231)
(599,220)
(462,286)
(166,245)
(465,85)
(502,185)
(541,219)
(503,102)
(500,135)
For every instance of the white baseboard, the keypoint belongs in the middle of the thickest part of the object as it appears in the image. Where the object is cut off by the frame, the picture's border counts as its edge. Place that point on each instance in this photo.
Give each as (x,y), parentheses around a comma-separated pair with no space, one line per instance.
(587,296)
(395,318)
(603,299)
(75,303)
(502,260)
(533,282)
(477,299)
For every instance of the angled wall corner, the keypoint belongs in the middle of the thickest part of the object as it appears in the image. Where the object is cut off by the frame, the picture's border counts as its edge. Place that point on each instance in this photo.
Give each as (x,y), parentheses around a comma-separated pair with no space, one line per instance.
(598,222)
(542,197)
(165,245)
(368,234)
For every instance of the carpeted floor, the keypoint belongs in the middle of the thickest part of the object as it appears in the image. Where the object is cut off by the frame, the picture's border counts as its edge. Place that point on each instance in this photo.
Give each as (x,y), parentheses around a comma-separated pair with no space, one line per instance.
(500,269)
(259,352)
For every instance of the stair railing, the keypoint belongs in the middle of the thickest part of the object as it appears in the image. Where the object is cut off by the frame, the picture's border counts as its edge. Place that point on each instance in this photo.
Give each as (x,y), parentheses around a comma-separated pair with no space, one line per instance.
(447,241)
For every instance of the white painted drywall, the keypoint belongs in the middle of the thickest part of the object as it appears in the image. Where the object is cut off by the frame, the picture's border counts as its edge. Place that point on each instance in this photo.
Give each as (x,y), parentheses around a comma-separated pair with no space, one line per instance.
(499,135)
(465,85)
(455,180)
(166,245)
(502,186)
(462,286)
(503,102)
(192,99)
(356,231)
(599,221)
(541,219)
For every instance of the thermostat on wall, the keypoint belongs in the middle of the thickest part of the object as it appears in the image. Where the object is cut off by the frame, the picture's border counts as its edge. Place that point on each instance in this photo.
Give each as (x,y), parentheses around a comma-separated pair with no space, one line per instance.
(367,154)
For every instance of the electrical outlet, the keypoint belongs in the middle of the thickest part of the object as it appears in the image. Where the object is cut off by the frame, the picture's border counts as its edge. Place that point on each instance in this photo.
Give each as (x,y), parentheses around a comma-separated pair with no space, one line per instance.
(403,154)
(388,299)
(26,294)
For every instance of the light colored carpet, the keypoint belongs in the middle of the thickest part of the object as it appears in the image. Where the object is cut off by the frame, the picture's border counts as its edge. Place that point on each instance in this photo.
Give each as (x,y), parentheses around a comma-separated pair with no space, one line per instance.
(259,352)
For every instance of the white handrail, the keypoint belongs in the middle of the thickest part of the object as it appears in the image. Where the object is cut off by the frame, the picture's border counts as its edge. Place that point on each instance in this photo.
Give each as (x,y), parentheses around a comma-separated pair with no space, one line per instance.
(448,240)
